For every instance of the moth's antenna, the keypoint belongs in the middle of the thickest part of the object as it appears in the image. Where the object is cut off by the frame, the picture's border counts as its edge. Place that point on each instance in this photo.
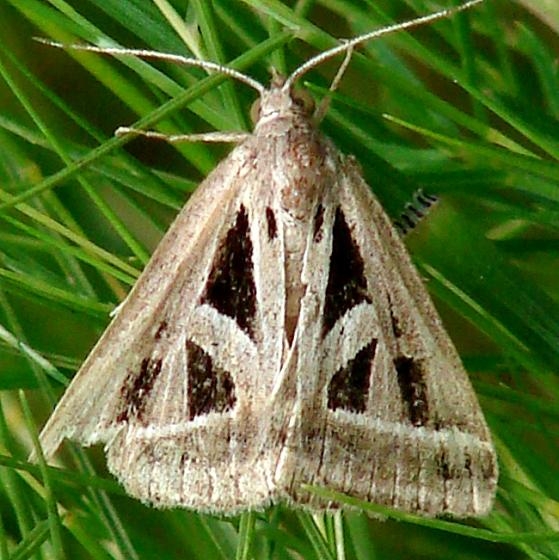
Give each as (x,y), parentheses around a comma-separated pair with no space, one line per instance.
(352,43)
(322,109)
(176,58)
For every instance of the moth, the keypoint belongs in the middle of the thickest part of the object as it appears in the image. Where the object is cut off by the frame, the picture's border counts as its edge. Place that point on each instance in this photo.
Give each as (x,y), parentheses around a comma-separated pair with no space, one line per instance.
(279,337)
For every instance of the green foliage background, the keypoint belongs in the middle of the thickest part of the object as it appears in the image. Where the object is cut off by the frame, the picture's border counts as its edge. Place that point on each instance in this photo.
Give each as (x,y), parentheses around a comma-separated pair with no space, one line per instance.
(466,108)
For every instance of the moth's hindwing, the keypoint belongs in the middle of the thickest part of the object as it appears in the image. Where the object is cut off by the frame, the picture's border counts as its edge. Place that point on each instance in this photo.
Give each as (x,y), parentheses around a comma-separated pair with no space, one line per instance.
(280,336)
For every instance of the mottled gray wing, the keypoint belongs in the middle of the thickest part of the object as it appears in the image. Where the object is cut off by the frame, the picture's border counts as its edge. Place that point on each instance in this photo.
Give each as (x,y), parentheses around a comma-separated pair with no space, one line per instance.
(402,425)
(94,400)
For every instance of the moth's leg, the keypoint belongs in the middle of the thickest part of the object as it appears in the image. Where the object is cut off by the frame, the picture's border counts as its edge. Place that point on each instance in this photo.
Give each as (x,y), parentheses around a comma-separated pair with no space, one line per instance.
(325,102)
(234,137)
(415,211)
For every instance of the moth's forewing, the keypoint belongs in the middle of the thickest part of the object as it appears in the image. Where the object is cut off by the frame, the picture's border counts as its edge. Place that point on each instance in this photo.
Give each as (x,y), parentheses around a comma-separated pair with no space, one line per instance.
(398,420)
(91,405)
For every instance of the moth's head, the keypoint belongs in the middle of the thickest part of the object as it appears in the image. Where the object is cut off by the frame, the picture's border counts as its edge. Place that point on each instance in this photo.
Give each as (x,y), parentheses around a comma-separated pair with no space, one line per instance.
(281,100)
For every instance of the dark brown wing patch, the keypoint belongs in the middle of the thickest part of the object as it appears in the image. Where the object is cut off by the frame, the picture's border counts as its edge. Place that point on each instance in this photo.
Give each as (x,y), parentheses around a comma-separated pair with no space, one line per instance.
(413,389)
(318,223)
(230,287)
(347,285)
(272,224)
(210,389)
(136,389)
(349,387)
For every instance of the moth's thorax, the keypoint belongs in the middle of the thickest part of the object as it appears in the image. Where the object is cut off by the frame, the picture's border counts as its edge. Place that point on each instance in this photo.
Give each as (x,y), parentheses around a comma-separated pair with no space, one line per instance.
(300,157)
(278,105)
(297,171)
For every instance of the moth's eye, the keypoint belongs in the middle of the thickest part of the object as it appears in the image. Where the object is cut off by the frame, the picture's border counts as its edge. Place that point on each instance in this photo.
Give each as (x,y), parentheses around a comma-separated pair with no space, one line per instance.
(304,100)
(255,111)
